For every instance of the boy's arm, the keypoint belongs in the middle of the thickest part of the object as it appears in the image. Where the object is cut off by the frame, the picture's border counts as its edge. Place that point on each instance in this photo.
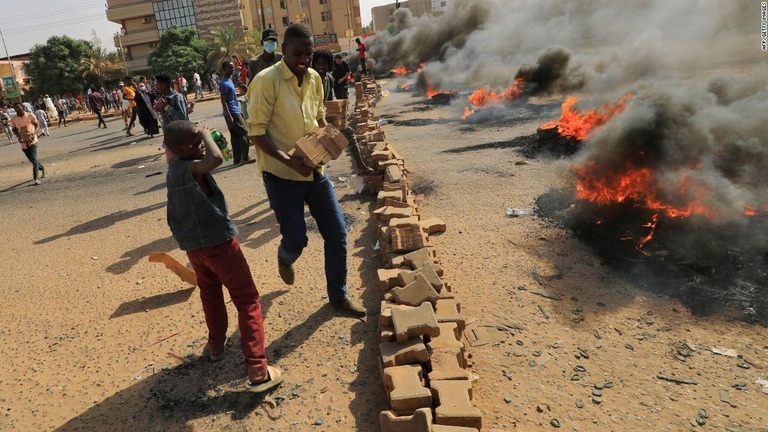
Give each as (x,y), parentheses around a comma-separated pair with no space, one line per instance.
(212,158)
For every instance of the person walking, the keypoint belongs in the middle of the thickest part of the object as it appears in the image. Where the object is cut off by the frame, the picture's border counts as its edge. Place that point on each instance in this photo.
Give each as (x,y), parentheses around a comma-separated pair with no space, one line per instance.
(268,57)
(285,103)
(238,131)
(50,108)
(42,119)
(129,94)
(200,223)
(61,110)
(96,102)
(25,127)
(198,85)
(341,73)
(363,50)
(5,119)
(145,107)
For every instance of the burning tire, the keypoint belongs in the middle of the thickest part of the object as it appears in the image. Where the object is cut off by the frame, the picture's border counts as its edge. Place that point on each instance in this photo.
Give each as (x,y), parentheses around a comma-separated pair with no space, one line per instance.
(548,131)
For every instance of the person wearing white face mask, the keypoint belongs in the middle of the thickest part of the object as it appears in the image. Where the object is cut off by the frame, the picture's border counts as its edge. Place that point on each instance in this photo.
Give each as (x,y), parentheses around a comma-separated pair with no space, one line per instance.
(268,57)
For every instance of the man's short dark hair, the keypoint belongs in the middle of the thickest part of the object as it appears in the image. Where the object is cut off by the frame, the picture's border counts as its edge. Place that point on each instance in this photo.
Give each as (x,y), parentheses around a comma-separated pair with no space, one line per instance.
(296,31)
(162,78)
(226,64)
(127,78)
(357,40)
(178,133)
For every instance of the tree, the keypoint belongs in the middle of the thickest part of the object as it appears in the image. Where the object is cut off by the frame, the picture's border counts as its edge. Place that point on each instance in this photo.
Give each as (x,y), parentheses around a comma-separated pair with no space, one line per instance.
(102,66)
(56,66)
(226,41)
(179,51)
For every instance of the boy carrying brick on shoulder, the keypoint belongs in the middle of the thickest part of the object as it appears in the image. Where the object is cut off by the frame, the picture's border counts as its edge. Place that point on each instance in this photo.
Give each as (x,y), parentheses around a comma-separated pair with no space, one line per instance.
(200,223)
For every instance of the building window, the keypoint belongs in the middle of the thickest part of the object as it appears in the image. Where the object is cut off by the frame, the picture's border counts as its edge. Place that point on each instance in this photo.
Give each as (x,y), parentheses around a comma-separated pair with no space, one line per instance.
(326,16)
(282,4)
(179,13)
(286,23)
(322,2)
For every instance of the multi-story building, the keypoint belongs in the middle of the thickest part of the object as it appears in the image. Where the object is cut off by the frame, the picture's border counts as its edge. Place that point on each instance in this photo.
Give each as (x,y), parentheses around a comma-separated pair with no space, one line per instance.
(382,15)
(332,22)
(143,22)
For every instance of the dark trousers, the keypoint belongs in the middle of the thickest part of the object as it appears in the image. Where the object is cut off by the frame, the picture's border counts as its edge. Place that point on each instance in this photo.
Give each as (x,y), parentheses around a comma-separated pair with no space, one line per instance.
(341,91)
(287,199)
(225,265)
(134,114)
(62,118)
(238,133)
(364,67)
(31,153)
(101,118)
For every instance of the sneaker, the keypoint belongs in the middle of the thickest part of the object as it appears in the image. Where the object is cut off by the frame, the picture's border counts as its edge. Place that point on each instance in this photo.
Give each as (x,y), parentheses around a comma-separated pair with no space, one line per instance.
(273,379)
(351,306)
(249,161)
(37,183)
(286,273)
(214,358)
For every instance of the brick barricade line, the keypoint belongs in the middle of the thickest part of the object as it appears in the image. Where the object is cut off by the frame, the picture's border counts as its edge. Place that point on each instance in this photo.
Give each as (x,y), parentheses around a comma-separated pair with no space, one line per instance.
(422,356)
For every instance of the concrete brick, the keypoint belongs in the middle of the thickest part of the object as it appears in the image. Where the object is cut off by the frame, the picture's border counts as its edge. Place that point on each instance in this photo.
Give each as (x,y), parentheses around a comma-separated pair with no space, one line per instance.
(453,402)
(417,258)
(395,222)
(381,155)
(407,238)
(448,335)
(419,421)
(388,278)
(399,204)
(386,334)
(427,269)
(395,195)
(406,390)
(447,364)
(393,174)
(415,293)
(412,351)
(385,316)
(385,214)
(443,428)
(449,310)
(415,321)
(433,226)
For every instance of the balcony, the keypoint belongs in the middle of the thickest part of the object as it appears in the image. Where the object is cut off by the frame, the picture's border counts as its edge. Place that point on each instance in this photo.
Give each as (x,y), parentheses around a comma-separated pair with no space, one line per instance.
(118,13)
(137,64)
(140,37)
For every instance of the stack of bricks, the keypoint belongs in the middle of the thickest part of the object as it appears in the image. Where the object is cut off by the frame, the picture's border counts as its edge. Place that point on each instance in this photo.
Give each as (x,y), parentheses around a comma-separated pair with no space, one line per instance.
(423,358)
(320,146)
(336,113)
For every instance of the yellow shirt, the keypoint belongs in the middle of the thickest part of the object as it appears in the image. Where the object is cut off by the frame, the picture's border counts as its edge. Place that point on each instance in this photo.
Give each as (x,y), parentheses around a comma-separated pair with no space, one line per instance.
(129,94)
(285,112)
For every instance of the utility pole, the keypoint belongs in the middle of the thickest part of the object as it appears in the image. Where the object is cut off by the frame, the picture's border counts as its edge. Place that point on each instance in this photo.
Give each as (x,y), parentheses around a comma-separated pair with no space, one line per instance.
(13,69)
(263,17)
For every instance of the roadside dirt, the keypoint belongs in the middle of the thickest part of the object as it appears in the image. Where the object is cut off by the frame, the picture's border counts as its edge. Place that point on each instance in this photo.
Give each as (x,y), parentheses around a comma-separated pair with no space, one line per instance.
(97,338)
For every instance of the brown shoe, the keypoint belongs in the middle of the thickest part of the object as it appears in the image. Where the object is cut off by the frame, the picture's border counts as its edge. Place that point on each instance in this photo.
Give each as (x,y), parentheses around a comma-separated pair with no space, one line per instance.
(286,273)
(351,306)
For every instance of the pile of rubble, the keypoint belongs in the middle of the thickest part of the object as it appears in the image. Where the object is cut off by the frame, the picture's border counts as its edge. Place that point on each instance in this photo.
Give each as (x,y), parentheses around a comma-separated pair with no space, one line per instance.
(423,358)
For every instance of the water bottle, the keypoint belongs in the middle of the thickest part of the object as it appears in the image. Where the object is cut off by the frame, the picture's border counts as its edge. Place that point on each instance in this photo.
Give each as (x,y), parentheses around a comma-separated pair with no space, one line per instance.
(221,141)
(515,212)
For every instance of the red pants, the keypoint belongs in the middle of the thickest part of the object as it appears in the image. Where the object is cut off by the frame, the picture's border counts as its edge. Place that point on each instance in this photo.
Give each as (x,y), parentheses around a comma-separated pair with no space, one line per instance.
(226,264)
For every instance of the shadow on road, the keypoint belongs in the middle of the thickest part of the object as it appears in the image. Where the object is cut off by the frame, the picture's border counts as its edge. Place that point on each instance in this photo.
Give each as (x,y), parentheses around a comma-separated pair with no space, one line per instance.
(102,222)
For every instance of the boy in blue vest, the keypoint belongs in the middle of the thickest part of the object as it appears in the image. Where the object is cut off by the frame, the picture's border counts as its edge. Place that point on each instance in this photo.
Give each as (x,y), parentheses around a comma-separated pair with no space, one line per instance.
(200,223)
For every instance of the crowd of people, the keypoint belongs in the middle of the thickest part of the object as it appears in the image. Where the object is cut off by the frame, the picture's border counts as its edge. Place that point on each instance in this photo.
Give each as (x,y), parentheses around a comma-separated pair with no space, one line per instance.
(268,103)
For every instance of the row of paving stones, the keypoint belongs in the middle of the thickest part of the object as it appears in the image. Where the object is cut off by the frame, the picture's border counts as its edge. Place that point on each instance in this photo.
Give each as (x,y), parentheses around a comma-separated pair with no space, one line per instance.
(423,359)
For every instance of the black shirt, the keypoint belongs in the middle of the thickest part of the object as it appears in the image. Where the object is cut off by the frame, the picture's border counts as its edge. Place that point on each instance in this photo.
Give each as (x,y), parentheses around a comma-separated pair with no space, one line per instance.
(339,71)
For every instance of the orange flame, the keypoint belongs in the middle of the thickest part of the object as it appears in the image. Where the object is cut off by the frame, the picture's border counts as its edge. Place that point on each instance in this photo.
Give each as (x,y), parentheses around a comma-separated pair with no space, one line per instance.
(579,125)
(405,87)
(483,98)
(400,70)
(605,187)
(750,211)
(432,91)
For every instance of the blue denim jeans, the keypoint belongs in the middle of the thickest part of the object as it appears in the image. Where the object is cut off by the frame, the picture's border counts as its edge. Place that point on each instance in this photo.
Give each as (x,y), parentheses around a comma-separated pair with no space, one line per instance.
(287,198)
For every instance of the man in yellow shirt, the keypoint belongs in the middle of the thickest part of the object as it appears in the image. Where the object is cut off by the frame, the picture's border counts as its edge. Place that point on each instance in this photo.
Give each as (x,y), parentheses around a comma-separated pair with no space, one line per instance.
(285,101)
